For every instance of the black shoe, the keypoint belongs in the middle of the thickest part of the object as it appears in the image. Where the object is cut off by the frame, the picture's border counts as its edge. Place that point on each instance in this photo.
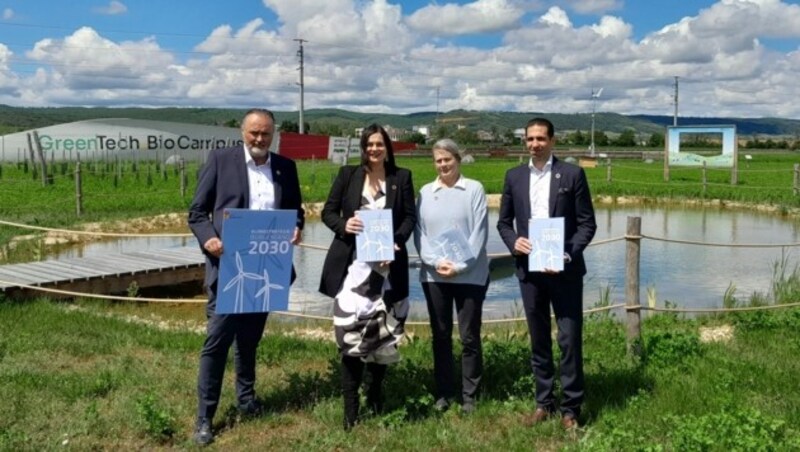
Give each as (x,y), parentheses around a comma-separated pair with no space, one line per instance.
(203,435)
(468,407)
(251,408)
(441,405)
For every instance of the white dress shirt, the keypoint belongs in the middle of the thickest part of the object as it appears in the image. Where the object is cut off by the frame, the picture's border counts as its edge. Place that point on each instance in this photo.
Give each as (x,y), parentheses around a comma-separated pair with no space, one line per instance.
(539,190)
(259,181)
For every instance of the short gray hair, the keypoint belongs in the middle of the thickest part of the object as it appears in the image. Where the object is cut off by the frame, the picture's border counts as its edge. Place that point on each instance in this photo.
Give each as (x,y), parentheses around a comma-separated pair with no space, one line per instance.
(446,144)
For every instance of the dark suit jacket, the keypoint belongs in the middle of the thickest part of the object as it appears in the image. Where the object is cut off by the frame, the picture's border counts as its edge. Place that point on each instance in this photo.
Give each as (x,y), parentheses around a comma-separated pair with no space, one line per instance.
(569,198)
(223,184)
(343,201)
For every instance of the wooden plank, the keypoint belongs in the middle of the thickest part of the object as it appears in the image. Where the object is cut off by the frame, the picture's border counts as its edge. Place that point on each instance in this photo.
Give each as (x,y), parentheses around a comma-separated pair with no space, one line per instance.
(109,271)
(115,264)
(148,262)
(79,264)
(56,270)
(24,275)
(167,258)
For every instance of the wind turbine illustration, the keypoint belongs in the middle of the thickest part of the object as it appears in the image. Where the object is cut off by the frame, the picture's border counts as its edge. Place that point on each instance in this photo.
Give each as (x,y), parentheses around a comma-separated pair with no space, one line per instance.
(238,281)
(265,291)
(440,247)
(380,248)
(368,243)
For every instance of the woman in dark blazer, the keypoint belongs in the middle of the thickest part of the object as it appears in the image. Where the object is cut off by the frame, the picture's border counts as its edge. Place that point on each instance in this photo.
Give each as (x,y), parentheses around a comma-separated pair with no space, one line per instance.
(371,299)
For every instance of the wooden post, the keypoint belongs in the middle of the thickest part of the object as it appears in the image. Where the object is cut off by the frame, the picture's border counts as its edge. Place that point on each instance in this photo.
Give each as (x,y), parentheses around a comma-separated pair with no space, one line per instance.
(608,171)
(666,156)
(42,157)
(182,164)
(633,238)
(796,182)
(705,179)
(78,189)
(30,149)
(735,169)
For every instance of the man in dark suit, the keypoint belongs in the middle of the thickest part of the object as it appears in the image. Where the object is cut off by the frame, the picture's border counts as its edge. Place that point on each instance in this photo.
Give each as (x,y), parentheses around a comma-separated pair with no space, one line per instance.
(549,188)
(247,176)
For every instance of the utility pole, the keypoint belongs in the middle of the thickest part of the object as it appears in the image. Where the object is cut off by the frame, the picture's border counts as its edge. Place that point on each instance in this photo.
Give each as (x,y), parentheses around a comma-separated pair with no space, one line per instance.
(595,95)
(675,115)
(301,125)
(437,105)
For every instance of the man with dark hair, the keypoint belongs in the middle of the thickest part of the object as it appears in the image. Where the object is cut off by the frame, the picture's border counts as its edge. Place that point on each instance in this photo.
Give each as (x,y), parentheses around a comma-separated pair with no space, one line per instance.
(549,188)
(247,176)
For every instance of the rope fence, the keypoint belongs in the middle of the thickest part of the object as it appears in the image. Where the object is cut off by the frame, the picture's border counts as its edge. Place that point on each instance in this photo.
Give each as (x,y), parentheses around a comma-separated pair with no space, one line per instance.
(632,305)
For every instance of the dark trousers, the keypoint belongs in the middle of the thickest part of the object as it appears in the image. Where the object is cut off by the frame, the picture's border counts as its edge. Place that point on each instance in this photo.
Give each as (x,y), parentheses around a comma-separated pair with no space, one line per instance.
(244,331)
(352,375)
(468,299)
(565,292)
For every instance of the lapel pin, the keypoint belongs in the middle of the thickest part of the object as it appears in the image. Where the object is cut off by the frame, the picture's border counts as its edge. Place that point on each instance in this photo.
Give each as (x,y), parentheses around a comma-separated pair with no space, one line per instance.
(394,187)
(278,172)
(558,175)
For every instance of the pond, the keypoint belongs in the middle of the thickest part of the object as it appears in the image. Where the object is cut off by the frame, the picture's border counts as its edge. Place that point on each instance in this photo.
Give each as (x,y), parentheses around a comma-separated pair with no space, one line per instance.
(683,274)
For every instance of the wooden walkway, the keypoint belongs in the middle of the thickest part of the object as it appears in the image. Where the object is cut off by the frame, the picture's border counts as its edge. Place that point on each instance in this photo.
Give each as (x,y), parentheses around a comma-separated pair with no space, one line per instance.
(106,274)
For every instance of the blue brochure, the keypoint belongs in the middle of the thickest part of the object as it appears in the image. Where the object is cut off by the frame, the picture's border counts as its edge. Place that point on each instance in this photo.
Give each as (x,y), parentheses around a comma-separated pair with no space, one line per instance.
(255,268)
(547,237)
(376,242)
(452,245)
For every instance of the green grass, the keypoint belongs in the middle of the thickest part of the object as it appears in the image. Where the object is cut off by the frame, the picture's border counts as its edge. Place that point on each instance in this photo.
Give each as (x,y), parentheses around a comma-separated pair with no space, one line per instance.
(113,192)
(86,376)
(93,375)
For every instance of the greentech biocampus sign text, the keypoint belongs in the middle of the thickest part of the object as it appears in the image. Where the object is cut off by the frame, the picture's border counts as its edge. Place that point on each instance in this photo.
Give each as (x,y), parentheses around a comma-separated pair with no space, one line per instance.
(131,142)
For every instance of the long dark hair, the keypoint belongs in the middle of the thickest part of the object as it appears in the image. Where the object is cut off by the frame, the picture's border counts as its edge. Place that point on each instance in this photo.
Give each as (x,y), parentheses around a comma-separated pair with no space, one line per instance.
(368,131)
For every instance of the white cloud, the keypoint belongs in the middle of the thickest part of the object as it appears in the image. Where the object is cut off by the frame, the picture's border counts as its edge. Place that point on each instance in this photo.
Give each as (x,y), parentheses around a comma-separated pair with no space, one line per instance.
(556,16)
(90,67)
(612,27)
(8,13)
(592,6)
(481,16)
(114,7)
(368,55)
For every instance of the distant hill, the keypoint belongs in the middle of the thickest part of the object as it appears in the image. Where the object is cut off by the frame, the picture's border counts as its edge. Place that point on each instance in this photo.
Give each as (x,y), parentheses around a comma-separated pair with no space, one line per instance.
(23,118)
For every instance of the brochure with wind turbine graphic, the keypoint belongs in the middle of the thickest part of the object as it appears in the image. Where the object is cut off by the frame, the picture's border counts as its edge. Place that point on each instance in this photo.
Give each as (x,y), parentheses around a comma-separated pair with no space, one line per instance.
(255,268)
(376,242)
(453,245)
(547,237)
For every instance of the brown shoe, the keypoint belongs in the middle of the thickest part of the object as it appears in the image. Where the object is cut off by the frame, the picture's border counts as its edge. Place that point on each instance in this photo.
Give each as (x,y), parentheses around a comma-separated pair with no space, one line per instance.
(569,422)
(538,416)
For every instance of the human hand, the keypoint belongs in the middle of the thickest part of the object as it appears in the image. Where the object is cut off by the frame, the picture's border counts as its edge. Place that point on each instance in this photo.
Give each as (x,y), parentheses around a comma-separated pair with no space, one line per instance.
(213,246)
(297,237)
(522,246)
(354,225)
(446,269)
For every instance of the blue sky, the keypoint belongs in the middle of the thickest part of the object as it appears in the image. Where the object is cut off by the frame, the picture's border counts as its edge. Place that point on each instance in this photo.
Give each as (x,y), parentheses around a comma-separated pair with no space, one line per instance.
(732,57)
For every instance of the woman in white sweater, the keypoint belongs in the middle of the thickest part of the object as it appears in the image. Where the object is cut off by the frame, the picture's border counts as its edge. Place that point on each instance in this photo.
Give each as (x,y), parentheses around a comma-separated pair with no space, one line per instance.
(451,235)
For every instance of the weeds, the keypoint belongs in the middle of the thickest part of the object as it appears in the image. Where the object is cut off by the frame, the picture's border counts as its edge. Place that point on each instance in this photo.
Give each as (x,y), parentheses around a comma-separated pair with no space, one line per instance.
(785,281)
(737,429)
(155,420)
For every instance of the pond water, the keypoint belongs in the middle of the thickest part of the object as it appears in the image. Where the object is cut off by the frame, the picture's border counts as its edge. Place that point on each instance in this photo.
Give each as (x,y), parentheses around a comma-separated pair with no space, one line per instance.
(685,275)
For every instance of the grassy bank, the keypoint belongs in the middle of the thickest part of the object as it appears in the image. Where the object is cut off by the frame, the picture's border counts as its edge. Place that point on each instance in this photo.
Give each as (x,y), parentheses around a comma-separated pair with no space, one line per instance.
(84,376)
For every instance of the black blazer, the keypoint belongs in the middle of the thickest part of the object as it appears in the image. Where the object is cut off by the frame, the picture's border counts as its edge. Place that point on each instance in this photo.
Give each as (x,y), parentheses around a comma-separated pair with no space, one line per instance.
(223,184)
(343,200)
(569,198)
